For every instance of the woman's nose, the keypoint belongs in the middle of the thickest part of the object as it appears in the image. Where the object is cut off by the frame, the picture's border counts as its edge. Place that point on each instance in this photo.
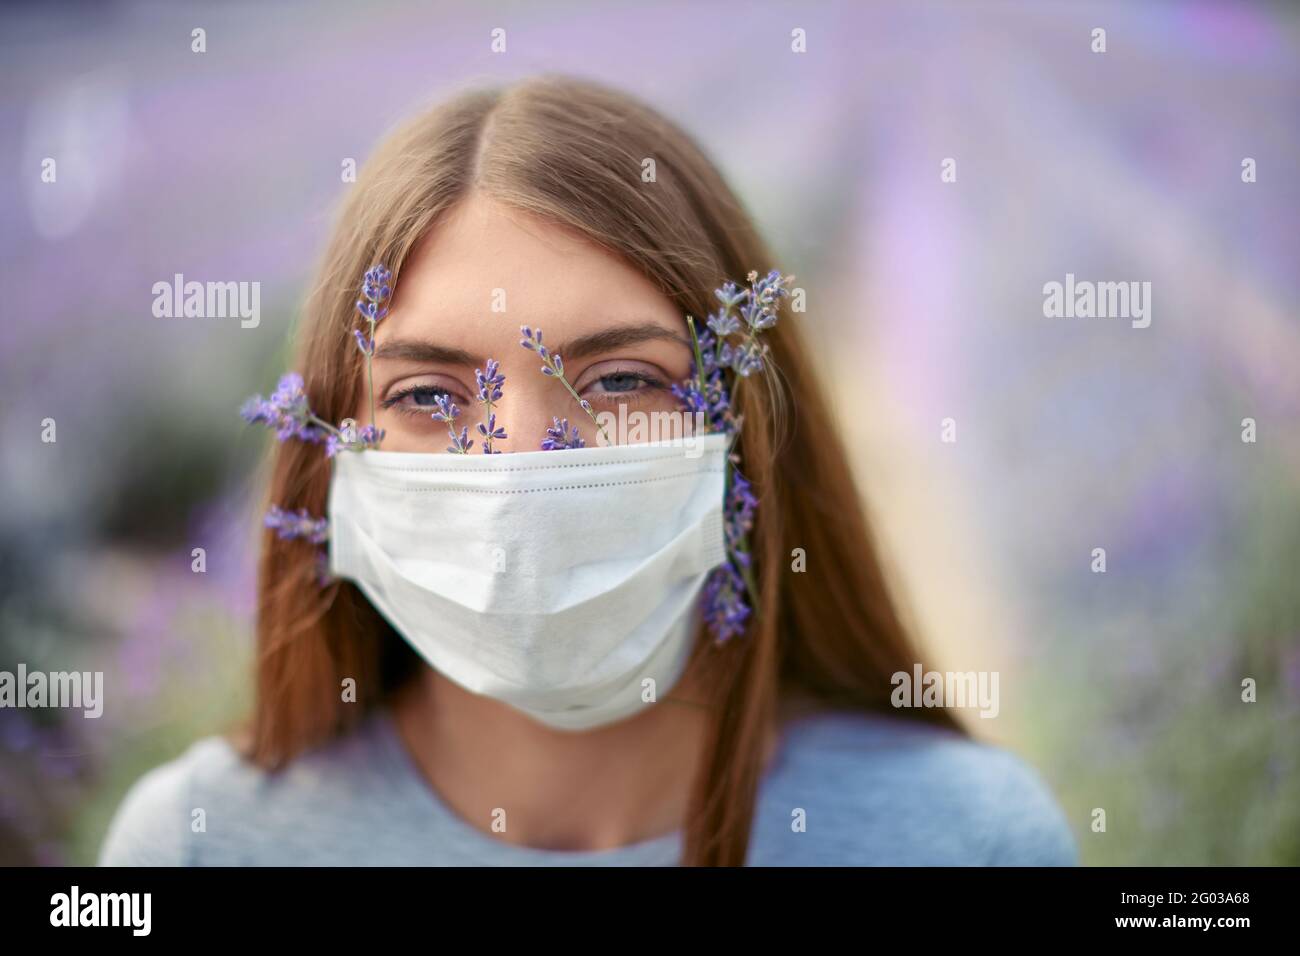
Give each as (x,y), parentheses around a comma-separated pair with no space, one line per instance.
(528,410)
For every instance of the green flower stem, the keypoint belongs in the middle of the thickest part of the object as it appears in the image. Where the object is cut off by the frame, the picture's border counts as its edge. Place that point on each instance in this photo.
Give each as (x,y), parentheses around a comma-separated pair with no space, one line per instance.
(312,419)
(699,356)
(487,420)
(370,375)
(556,373)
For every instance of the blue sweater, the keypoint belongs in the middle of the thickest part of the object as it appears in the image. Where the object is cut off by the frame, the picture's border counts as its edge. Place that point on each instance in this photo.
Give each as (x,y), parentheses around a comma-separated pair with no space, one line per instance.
(874,790)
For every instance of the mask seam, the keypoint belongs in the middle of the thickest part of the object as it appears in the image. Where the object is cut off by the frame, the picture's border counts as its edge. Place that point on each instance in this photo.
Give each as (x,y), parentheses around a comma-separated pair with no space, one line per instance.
(431,470)
(525,491)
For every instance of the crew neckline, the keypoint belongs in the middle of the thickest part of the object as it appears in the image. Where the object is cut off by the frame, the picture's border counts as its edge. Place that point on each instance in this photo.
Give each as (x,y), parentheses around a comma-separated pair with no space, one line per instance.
(662,850)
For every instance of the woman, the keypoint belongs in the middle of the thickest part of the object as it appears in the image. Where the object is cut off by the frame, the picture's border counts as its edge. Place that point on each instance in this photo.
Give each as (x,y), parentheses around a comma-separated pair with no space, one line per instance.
(531,207)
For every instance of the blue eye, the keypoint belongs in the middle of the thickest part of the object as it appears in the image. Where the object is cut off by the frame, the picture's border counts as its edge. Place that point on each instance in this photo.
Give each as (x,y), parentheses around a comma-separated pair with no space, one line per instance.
(426,396)
(622,382)
(624,385)
(422,397)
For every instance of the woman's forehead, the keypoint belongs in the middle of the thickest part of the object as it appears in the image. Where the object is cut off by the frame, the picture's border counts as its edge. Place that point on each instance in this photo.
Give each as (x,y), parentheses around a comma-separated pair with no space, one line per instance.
(485,270)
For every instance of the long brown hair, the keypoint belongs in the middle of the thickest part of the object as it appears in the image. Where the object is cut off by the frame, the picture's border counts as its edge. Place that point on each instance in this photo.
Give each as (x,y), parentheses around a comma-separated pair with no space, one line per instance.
(571,152)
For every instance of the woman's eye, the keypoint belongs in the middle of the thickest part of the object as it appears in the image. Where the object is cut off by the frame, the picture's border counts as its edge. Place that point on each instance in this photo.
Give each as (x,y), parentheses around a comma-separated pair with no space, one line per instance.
(425,396)
(415,399)
(620,382)
(623,385)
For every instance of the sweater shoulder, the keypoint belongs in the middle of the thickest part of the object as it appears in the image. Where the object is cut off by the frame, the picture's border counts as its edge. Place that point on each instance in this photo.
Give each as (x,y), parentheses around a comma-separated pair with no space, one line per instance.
(883,789)
(212,806)
(152,823)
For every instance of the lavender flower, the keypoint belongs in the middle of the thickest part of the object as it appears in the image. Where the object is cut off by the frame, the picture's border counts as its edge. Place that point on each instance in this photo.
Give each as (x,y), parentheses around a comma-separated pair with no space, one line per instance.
(726,611)
(706,390)
(558,436)
(730,295)
(491,433)
(286,412)
(299,525)
(323,576)
(723,323)
(291,525)
(489,391)
(374,284)
(741,505)
(489,382)
(289,415)
(747,313)
(449,412)
(750,312)
(375,291)
(368,437)
(553,366)
(725,599)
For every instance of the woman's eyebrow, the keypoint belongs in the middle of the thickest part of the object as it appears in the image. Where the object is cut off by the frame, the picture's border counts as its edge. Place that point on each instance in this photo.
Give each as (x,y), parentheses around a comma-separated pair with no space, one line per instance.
(594,343)
(421,350)
(621,336)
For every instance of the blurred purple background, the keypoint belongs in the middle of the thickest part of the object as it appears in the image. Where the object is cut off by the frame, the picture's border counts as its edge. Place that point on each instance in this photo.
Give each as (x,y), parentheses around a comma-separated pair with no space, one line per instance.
(924,301)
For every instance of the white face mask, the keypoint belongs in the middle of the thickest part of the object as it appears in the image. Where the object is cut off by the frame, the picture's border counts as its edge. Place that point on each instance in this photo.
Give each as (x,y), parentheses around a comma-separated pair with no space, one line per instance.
(555,581)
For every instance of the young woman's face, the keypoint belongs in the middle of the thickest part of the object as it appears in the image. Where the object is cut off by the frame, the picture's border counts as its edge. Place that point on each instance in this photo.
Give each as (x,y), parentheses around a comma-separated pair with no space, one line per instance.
(483,272)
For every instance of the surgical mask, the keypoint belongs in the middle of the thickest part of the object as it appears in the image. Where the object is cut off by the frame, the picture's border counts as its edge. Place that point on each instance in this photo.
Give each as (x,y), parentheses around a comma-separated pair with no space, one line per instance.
(554,581)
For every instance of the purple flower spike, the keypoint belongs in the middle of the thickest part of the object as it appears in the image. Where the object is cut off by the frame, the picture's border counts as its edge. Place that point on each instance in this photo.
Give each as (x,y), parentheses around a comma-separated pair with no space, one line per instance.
(491,433)
(553,367)
(560,436)
(489,382)
(447,410)
(723,323)
(367,437)
(725,609)
(532,340)
(371,311)
(375,283)
(286,412)
(299,525)
(746,313)
(462,443)
(376,289)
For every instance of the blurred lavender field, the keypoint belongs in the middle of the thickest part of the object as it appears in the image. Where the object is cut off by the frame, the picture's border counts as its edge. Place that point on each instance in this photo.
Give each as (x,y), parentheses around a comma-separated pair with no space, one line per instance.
(925,303)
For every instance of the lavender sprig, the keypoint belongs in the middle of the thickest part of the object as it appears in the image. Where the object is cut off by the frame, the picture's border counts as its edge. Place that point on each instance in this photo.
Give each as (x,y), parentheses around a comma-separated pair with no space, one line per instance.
(553,366)
(747,313)
(287,413)
(489,391)
(726,611)
(558,436)
(297,525)
(300,526)
(751,312)
(375,291)
(367,437)
(449,412)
